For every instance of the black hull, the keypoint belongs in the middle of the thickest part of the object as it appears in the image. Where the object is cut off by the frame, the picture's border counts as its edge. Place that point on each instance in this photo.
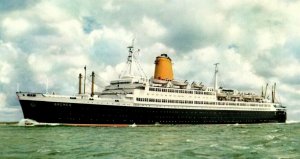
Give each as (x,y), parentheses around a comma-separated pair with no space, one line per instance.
(51,112)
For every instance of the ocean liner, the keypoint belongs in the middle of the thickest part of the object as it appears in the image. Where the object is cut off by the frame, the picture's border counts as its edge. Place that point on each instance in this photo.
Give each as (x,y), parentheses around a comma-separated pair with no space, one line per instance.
(135,99)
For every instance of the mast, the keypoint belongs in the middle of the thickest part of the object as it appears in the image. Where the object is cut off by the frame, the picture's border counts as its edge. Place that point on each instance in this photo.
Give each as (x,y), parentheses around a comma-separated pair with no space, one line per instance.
(79,89)
(265,94)
(93,82)
(273,93)
(132,62)
(129,59)
(84,79)
(216,76)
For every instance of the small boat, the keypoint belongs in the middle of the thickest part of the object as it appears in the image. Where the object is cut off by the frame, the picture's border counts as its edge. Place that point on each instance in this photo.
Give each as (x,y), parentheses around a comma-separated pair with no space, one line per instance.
(180,83)
(158,81)
(197,86)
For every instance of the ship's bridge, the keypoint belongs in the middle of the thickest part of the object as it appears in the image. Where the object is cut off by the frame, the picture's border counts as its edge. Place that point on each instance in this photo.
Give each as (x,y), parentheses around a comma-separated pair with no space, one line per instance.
(125,85)
(129,80)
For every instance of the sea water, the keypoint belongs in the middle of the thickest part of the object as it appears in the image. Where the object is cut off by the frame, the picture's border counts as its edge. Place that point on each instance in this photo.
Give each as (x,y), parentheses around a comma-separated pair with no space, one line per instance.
(160,141)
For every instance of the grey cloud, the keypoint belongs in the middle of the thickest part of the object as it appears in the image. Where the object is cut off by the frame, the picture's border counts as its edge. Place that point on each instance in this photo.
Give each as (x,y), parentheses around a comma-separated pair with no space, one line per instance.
(292,47)
(11,5)
(263,66)
(107,53)
(184,38)
(90,24)
(292,81)
(11,115)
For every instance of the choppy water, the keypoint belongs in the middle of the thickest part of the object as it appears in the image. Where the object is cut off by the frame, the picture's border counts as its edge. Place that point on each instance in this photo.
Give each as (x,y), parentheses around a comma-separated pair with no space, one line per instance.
(189,141)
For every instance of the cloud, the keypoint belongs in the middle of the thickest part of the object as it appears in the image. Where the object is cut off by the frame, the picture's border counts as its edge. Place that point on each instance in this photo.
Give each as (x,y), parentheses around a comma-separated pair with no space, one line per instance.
(255,42)
(15,5)
(10,114)
(109,6)
(2,99)
(15,27)
(152,28)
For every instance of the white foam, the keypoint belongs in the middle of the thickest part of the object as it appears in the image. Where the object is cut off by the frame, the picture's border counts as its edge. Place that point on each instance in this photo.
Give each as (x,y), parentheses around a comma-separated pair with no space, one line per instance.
(133,125)
(291,121)
(30,122)
(27,122)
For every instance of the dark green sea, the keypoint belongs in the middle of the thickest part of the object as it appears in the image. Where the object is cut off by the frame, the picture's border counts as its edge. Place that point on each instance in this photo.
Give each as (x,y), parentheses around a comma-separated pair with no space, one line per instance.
(164,141)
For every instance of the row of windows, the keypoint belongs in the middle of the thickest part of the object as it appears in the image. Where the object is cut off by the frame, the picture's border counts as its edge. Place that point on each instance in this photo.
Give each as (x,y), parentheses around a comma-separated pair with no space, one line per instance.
(198,102)
(62,104)
(120,82)
(212,108)
(180,91)
(164,100)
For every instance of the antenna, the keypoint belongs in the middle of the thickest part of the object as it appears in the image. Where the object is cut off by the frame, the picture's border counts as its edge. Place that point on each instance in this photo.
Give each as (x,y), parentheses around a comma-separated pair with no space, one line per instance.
(216,76)
(132,63)
(129,59)
(84,80)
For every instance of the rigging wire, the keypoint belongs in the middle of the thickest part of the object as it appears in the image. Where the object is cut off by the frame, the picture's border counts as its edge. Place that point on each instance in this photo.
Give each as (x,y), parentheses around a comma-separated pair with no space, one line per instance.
(133,61)
(139,67)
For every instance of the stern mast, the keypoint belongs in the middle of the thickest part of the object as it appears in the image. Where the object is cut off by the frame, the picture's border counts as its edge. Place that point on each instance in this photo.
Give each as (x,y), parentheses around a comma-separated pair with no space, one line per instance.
(216,76)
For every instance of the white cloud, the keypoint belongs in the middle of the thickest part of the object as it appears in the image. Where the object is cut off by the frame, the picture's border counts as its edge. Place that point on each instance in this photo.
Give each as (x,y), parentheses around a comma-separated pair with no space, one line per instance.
(2,100)
(152,28)
(290,69)
(265,40)
(11,114)
(15,27)
(234,32)
(8,54)
(290,90)
(109,6)
(198,64)
(39,64)
(49,12)
(240,71)
(205,54)
(5,70)
(230,4)
(118,34)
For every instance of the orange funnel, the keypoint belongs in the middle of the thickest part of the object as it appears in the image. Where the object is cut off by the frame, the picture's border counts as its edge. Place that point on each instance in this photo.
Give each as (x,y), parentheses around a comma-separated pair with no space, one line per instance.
(163,68)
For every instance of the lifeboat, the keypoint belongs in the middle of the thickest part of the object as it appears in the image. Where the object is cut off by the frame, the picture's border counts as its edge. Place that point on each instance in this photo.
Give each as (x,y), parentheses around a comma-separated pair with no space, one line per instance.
(158,81)
(197,86)
(180,83)
(258,98)
(221,95)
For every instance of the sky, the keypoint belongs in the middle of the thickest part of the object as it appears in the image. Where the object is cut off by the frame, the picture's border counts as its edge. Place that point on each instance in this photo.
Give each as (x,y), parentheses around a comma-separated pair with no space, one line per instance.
(48,43)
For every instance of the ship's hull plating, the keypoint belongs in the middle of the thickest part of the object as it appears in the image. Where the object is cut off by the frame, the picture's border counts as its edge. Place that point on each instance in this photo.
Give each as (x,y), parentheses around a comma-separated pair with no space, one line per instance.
(51,112)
